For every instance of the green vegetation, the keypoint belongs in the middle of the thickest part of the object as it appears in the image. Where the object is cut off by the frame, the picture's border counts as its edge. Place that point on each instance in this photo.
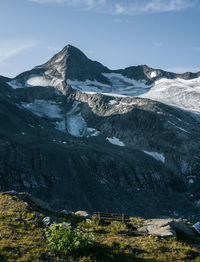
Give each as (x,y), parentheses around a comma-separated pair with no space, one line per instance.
(66,241)
(22,238)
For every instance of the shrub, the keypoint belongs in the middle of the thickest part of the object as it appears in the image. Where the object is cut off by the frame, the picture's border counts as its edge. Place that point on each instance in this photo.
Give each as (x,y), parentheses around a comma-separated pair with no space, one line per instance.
(68,242)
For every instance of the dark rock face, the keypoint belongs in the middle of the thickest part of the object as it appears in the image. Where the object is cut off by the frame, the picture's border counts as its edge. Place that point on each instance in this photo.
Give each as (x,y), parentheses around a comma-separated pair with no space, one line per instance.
(56,143)
(70,63)
(76,65)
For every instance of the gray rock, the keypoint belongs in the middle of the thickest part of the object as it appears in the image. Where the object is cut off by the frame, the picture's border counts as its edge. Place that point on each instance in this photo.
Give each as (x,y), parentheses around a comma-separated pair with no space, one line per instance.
(181,227)
(159,227)
(46,221)
(167,227)
(83,214)
(65,212)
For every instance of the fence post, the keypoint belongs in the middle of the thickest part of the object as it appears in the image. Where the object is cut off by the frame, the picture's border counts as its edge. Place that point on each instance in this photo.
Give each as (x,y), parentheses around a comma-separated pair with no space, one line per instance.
(99,216)
(123,218)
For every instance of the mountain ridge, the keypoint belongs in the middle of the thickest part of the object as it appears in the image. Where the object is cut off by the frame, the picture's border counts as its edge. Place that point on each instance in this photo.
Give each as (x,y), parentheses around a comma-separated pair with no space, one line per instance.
(70,50)
(65,140)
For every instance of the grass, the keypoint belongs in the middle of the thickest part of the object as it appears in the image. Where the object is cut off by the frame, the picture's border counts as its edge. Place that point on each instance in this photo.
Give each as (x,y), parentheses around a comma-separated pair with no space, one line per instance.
(22,238)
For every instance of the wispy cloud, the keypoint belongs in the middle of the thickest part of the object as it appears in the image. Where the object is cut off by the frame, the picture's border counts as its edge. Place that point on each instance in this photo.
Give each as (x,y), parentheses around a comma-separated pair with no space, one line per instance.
(11,48)
(82,3)
(128,7)
(152,6)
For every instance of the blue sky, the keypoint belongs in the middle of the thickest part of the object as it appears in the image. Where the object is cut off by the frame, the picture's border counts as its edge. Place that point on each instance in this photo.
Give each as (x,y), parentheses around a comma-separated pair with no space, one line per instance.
(118,33)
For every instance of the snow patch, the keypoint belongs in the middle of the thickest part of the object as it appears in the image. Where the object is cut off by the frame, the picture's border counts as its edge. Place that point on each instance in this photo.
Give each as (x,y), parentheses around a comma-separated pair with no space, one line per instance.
(182,129)
(93,132)
(156,155)
(42,81)
(44,108)
(15,84)
(153,74)
(115,141)
(76,125)
(191,181)
(112,102)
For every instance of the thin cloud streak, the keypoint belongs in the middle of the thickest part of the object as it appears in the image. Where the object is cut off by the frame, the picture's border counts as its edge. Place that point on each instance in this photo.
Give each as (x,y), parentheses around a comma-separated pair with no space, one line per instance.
(129,7)
(153,6)
(90,4)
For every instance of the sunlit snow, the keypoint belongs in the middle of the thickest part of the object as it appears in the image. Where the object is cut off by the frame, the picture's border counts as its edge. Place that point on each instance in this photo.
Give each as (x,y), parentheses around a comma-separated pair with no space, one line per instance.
(119,85)
(42,81)
(177,92)
(153,74)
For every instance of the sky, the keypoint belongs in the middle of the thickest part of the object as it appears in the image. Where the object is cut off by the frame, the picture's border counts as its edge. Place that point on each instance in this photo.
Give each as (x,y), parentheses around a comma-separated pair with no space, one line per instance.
(118,33)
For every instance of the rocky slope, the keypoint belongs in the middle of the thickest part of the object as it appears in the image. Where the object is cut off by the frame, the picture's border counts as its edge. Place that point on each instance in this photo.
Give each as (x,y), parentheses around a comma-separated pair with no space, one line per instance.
(79,148)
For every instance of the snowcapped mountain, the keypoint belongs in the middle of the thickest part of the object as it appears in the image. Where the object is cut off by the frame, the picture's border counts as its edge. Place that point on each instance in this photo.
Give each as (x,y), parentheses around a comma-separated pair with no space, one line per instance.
(71,66)
(73,130)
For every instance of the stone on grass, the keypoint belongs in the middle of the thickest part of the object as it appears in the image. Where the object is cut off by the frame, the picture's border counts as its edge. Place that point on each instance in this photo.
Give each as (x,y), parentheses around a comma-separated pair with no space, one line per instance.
(46,221)
(82,214)
(167,227)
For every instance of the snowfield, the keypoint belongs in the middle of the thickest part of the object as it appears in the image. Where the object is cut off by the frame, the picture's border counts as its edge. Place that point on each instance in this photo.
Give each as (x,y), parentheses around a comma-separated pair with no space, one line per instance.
(177,92)
(42,81)
(119,85)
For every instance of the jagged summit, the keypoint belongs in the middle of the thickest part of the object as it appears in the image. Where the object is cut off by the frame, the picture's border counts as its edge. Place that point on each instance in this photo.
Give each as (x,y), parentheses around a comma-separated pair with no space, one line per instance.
(69,63)
(63,56)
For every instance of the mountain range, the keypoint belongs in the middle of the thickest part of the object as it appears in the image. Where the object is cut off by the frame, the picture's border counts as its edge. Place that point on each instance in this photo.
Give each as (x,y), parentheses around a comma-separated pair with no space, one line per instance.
(82,136)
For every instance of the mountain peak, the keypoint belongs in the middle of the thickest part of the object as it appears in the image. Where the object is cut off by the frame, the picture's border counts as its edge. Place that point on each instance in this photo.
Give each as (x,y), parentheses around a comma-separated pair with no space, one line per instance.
(72,63)
(70,48)
(63,56)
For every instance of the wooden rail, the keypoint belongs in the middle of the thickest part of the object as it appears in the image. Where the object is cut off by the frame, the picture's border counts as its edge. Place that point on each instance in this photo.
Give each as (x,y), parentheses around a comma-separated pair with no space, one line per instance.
(111,216)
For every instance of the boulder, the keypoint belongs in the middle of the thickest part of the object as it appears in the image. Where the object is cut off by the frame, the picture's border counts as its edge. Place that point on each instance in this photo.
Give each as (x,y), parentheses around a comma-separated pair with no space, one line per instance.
(46,221)
(167,227)
(83,214)
(65,212)
(159,227)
